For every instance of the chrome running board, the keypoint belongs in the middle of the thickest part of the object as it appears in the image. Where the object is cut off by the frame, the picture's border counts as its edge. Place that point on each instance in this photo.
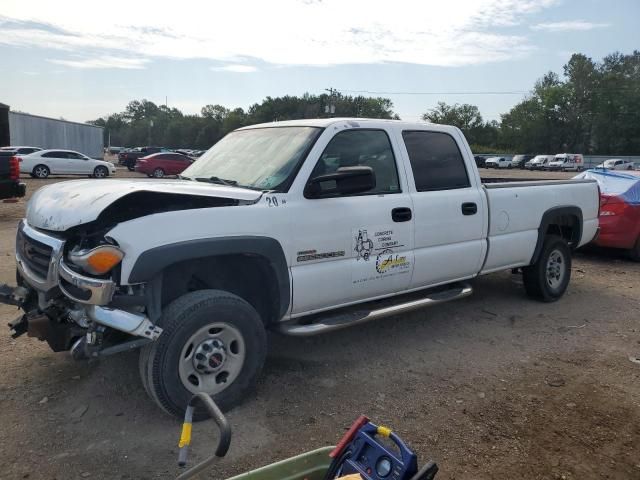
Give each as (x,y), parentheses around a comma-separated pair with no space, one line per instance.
(355,315)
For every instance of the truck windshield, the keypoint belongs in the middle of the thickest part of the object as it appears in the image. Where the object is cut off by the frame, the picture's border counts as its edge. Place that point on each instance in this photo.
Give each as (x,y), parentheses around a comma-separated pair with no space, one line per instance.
(259,158)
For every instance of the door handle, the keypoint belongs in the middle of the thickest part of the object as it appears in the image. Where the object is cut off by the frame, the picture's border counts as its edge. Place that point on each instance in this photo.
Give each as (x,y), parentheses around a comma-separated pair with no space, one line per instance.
(469,208)
(401,214)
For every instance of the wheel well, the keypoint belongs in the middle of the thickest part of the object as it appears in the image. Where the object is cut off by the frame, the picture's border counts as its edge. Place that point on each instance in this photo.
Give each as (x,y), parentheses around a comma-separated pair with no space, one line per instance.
(563,221)
(249,276)
(566,226)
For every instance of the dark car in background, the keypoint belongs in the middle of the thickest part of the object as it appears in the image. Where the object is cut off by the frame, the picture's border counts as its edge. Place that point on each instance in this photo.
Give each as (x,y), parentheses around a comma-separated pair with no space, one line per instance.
(479,160)
(164,163)
(128,158)
(10,185)
(519,161)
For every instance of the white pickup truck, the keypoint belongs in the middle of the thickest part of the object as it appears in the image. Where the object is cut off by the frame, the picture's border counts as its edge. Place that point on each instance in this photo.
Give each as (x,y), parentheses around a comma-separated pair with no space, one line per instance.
(301,227)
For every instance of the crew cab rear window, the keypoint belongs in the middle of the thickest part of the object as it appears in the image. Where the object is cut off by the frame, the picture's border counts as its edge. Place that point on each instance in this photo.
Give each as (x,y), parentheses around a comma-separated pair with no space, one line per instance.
(436,161)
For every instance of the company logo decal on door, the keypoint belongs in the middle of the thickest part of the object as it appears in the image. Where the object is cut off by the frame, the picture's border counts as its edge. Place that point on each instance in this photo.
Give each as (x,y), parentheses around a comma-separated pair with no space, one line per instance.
(382,244)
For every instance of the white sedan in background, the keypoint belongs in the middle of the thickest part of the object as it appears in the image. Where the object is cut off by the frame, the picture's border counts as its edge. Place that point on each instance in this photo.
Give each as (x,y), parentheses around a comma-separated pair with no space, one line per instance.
(497,162)
(63,162)
(617,164)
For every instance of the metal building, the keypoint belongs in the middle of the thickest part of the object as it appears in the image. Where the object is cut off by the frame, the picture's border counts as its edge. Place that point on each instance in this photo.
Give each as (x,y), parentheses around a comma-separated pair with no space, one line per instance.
(25,129)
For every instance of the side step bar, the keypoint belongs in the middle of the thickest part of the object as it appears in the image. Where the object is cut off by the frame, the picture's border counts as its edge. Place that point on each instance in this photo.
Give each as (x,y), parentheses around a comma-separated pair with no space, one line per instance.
(346,317)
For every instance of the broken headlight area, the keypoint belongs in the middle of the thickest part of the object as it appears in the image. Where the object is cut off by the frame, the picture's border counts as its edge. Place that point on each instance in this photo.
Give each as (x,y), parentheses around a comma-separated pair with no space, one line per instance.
(98,260)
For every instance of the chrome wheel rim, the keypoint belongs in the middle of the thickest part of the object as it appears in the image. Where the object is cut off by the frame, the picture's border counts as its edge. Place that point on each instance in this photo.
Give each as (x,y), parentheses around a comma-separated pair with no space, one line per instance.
(41,172)
(555,269)
(158,173)
(212,358)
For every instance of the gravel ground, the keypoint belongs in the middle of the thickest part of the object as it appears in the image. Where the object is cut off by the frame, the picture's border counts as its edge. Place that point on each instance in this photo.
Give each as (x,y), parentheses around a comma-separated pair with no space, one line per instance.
(492,386)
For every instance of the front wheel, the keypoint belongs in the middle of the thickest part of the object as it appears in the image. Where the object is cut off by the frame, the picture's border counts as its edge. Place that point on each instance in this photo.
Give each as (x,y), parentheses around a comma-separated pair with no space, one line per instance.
(212,342)
(548,278)
(100,172)
(41,171)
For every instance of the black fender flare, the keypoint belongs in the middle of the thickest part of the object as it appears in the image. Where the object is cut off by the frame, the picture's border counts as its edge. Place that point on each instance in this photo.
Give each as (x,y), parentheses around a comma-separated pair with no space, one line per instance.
(547,219)
(155,260)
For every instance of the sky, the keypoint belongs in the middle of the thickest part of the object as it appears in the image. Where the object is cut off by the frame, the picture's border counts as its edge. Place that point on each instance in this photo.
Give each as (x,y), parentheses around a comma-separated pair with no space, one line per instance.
(82,60)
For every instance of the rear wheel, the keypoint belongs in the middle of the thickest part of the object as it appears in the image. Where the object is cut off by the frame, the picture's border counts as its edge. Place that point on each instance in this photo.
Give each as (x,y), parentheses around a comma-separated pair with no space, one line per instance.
(634,253)
(130,168)
(548,278)
(100,172)
(213,342)
(41,171)
(158,173)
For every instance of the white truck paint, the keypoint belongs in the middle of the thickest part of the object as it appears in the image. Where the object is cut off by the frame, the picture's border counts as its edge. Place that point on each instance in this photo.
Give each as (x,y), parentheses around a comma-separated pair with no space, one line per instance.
(429,222)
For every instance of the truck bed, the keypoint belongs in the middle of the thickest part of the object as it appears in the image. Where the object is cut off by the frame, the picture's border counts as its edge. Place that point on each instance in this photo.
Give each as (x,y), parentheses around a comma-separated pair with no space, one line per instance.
(516,208)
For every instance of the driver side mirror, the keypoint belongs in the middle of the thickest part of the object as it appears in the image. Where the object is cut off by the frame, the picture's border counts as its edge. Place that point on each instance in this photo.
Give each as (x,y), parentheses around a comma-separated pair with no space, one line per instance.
(344,181)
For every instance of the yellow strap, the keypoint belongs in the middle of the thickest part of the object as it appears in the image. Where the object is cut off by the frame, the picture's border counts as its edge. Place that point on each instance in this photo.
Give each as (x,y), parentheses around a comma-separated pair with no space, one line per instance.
(384,431)
(185,436)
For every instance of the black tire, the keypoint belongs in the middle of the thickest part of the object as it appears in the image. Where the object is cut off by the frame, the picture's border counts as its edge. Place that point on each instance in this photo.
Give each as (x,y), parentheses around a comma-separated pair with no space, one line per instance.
(158,173)
(41,171)
(130,168)
(538,282)
(160,362)
(100,172)
(634,253)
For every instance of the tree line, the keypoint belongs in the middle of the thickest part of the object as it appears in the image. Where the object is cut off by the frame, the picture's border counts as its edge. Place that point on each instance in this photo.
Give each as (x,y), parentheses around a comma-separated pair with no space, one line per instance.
(593,107)
(145,123)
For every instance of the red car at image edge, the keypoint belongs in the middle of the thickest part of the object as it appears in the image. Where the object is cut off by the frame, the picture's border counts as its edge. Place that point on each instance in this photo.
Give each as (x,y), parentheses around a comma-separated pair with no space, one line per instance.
(164,163)
(619,210)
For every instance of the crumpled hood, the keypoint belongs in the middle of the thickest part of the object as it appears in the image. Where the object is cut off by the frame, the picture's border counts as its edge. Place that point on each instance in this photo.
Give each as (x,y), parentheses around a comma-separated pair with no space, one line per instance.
(63,205)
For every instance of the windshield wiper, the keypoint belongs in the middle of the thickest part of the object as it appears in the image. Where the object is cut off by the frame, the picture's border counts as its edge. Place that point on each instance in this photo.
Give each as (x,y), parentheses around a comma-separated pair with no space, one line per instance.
(182,177)
(217,181)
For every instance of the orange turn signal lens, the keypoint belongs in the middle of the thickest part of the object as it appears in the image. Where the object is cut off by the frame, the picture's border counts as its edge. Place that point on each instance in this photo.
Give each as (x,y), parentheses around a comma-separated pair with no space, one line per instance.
(99,260)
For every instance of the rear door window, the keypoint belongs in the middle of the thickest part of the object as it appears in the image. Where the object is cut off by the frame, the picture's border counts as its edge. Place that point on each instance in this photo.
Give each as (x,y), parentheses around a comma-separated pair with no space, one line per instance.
(436,161)
(55,154)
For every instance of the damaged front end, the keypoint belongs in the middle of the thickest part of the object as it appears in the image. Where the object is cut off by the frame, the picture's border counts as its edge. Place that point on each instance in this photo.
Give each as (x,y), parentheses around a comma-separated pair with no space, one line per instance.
(69,269)
(90,315)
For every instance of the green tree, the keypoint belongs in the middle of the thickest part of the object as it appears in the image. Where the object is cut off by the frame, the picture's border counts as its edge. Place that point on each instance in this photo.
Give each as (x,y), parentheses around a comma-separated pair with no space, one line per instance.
(468,119)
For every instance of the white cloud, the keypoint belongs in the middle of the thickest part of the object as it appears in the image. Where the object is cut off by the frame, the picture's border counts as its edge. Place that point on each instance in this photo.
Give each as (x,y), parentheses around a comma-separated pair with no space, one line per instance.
(237,68)
(281,32)
(568,26)
(103,62)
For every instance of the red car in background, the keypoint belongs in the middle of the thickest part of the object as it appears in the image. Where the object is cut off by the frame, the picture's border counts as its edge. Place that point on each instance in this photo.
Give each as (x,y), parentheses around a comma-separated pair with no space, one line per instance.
(160,164)
(619,210)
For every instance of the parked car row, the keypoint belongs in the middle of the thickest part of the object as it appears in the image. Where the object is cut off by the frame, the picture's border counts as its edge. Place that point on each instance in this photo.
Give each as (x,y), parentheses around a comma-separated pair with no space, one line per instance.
(561,162)
(129,156)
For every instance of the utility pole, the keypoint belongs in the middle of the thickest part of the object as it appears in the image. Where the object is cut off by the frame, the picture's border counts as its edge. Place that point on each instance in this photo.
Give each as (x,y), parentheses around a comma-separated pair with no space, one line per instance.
(330,108)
